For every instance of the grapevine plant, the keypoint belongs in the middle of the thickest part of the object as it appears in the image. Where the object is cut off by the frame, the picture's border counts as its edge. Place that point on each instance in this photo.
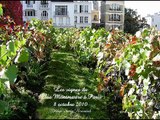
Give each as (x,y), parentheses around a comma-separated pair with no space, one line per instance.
(24,54)
(129,72)
(140,60)
(89,45)
(12,53)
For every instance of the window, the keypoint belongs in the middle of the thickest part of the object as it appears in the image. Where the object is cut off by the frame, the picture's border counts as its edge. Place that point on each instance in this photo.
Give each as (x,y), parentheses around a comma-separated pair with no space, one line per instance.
(44,2)
(44,13)
(95,5)
(86,8)
(81,8)
(95,18)
(61,10)
(75,9)
(81,19)
(115,7)
(29,2)
(75,19)
(86,19)
(110,18)
(117,17)
(114,17)
(30,13)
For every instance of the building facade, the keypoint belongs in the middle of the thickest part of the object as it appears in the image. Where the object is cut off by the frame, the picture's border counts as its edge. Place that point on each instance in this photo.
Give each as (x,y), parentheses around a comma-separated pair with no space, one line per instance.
(153,20)
(95,13)
(78,14)
(64,14)
(112,14)
(82,13)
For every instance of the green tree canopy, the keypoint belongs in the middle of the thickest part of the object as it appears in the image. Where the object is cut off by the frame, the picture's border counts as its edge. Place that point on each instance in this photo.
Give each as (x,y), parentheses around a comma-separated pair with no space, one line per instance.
(133,22)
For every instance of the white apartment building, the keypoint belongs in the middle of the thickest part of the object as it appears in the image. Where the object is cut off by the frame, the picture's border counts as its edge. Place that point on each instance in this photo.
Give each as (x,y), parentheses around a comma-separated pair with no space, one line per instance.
(36,9)
(76,13)
(112,14)
(82,13)
(64,14)
(153,20)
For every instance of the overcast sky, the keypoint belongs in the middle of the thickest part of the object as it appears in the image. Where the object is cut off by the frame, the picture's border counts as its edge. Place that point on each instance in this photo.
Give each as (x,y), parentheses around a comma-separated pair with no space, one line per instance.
(144,7)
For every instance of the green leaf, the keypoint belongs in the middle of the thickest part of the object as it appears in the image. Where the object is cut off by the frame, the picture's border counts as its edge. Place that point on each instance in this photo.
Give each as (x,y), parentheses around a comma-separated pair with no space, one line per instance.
(3,54)
(10,73)
(125,102)
(138,104)
(2,88)
(111,68)
(133,98)
(3,106)
(23,42)
(139,69)
(1,10)
(12,47)
(145,33)
(24,56)
(135,58)
(144,92)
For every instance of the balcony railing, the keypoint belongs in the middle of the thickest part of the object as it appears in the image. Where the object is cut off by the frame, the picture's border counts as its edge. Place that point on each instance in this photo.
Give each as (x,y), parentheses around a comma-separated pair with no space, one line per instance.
(57,13)
(115,10)
(44,6)
(95,20)
(115,21)
(29,5)
(112,19)
(84,12)
(44,17)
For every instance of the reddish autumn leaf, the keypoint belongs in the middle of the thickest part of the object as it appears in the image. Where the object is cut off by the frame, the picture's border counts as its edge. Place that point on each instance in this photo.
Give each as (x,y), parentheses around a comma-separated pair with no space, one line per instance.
(12,25)
(106,80)
(156,63)
(101,75)
(27,24)
(13,9)
(100,88)
(107,46)
(134,40)
(121,93)
(113,31)
(132,70)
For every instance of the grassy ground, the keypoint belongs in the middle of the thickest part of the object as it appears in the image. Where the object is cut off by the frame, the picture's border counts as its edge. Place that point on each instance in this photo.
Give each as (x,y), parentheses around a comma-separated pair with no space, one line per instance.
(65,72)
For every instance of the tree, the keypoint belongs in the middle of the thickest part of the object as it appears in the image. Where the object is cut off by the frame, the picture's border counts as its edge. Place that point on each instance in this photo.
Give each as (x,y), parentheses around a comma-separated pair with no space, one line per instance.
(13,9)
(133,22)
